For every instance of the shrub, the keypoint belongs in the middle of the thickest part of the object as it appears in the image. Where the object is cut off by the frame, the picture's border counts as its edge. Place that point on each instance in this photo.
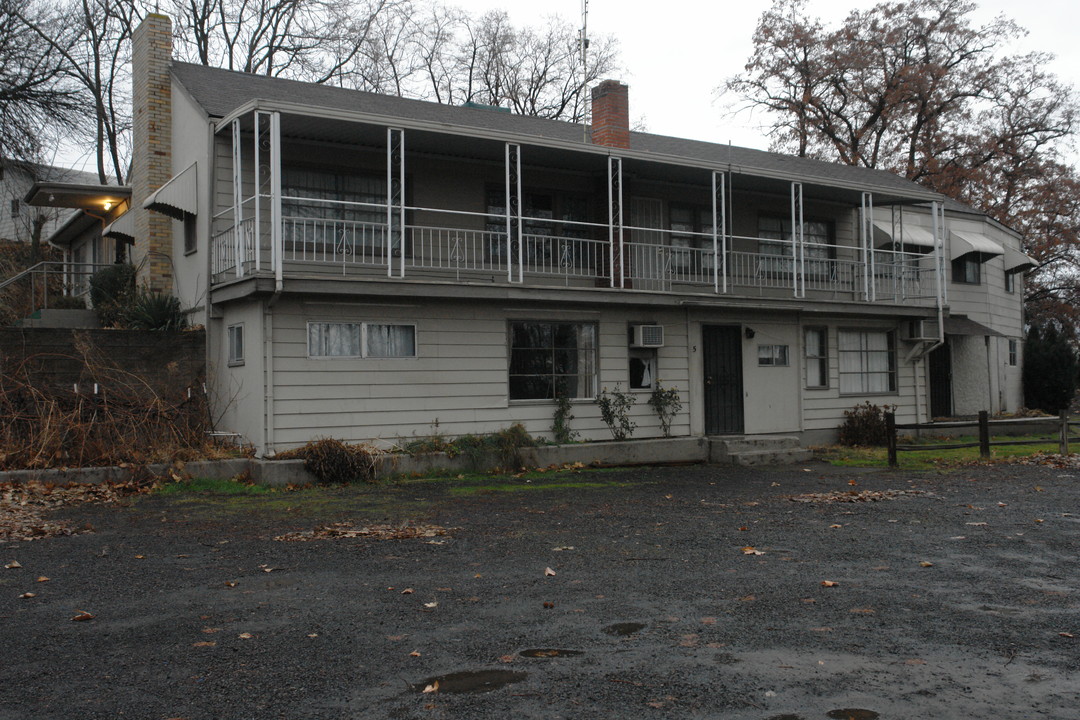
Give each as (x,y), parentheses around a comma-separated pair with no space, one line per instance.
(111,290)
(615,412)
(865,425)
(332,461)
(154,311)
(1050,368)
(667,405)
(560,424)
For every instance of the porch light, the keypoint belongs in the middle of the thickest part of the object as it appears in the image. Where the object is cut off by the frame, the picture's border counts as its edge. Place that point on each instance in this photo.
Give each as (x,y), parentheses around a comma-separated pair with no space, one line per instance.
(107,205)
(750,333)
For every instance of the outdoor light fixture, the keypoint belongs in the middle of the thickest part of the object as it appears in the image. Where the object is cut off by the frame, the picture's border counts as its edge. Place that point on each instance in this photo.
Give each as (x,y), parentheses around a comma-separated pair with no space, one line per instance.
(108,205)
(750,333)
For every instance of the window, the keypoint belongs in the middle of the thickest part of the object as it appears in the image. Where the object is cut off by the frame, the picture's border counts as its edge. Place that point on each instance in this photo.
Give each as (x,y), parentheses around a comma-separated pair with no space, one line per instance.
(236,344)
(867,361)
(390,341)
(1010,284)
(967,269)
(772,355)
(546,216)
(642,368)
(190,234)
(353,340)
(1013,348)
(816,355)
(327,212)
(684,219)
(549,359)
(14,208)
(775,234)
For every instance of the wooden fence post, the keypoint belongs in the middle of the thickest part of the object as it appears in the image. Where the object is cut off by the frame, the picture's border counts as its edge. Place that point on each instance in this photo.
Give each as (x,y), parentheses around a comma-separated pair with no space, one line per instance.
(1063,432)
(890,431)
(984,434)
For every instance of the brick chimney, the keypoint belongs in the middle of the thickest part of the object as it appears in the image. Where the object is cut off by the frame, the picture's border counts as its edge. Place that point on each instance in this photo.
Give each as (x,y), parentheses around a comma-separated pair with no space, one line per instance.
(611,114)
(151,152)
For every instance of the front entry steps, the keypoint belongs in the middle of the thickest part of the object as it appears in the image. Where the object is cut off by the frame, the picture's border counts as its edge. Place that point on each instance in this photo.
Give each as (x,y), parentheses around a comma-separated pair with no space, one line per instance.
(757,450)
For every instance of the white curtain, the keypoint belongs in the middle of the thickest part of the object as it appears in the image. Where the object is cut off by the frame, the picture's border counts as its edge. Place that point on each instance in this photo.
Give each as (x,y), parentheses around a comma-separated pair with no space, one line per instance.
(388,341)
(865,362)
(333,339)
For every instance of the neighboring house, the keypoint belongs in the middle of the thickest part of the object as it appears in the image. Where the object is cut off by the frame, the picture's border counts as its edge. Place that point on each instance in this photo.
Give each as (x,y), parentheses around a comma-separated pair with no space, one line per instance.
(376,268)
(19,220)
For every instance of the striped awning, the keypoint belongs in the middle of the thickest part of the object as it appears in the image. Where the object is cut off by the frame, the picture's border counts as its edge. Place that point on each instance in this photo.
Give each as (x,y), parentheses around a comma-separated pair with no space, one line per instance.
(122,228)
(1016,261)
(178,197)
(914,238)
(968,243)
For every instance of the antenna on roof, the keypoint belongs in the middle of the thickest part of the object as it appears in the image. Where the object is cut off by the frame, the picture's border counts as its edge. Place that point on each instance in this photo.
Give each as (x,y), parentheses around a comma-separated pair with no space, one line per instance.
(584,70)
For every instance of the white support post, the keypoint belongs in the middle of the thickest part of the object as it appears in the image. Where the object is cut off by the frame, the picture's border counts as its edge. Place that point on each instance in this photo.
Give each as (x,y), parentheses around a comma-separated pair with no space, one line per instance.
(719,208)
(238,196)
(257,177)
(868,233)
(395,199)
(866,219)
(515,245)
(798,241)
(939,255)
(277,249)
(615,223)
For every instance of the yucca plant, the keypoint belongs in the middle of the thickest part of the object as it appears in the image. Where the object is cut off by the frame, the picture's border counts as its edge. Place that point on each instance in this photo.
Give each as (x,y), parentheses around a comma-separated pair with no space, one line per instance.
(155,311)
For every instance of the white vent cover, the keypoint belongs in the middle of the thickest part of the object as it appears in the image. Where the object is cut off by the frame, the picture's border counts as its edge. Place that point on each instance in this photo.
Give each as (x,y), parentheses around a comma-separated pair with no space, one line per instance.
(647,336)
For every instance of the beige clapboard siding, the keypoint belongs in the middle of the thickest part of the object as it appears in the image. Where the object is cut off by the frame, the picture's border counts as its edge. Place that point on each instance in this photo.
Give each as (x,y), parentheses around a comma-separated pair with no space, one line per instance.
(459,378)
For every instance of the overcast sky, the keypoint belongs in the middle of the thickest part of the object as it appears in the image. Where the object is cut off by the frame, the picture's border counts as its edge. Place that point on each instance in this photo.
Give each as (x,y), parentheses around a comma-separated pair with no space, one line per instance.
(677,52)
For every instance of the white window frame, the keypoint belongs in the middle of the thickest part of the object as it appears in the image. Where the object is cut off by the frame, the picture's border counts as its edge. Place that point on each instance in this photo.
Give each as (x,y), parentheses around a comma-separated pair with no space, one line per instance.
(234,332)
(365,353)
(1014,352)
(822,360)
(775,355)
(893,371)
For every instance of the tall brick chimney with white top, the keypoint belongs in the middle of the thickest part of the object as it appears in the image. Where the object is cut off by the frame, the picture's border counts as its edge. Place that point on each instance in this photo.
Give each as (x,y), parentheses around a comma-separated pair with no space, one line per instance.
(151,152)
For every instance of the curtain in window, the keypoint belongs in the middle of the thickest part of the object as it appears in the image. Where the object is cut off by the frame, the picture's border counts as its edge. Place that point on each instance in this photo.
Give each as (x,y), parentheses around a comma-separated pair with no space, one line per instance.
(389,341)
(549,359)
(333,340)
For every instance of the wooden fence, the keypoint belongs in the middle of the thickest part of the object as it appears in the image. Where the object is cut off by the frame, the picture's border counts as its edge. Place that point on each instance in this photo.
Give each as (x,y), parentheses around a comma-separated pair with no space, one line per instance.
(984,424)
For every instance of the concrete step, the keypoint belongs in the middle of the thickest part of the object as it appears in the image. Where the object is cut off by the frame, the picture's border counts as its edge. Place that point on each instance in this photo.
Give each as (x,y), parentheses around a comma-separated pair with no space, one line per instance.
(759,442)
(786,456)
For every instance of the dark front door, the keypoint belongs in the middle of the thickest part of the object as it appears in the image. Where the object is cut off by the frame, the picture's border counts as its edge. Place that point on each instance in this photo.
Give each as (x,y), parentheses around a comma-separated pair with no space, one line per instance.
(722,360)
(941,382)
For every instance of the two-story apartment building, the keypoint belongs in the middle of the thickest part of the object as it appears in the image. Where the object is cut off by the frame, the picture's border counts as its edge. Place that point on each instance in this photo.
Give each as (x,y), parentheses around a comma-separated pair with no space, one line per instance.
(373,268)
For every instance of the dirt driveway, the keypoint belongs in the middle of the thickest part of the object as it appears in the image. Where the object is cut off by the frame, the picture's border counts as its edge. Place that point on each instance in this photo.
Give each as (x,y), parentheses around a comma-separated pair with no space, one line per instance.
(687,592)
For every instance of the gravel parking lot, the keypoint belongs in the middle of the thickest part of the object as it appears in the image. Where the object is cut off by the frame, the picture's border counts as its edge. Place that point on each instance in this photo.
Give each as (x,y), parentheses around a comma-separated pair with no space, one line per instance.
(680,592)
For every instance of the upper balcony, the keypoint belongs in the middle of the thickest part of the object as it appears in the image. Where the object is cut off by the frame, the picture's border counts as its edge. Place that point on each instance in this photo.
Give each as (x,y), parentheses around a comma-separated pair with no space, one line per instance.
(473,211)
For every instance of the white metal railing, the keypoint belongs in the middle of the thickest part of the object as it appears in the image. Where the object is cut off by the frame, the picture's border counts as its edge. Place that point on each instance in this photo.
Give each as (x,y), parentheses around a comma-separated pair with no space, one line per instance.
(653,258)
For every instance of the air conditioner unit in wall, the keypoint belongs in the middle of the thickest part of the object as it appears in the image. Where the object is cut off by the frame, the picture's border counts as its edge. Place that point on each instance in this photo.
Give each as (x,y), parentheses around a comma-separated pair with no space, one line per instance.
(647,336)
(919,330)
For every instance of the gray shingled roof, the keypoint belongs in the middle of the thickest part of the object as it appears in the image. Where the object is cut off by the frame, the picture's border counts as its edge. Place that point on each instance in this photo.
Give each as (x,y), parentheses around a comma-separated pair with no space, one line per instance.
(220,92)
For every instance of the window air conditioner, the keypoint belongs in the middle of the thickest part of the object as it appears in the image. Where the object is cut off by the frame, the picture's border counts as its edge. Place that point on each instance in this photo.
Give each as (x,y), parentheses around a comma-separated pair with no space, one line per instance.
(647,336)
(919,330)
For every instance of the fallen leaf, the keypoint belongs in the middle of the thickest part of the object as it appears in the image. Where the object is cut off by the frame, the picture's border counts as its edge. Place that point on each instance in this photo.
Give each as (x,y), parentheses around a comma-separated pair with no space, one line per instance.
(548,605)
(431,604)
(42,578)
(414,653)
(313,635)
(829,583)
(13,565)
(1038,520)
(924,563)
(809,600)
(245,636)
(478,575)
(914,661)
(506,658)
(140,557)
(821,629)
(751,550)
(1038,489)
(655,704)
(862,611)
(976,524)
(548,572)
(83,616)
(743,528)
(747,598)
(407,591)
(210,630)
(432,688)
(1066,635)
(835,526)
(26,596)
(563,547)
(204,643)
(230,583)
(708,621)
(667,497)
(445,589)
(852,482)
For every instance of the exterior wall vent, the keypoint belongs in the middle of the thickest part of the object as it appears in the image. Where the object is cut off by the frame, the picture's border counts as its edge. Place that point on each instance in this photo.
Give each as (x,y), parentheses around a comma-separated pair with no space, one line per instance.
(647,336)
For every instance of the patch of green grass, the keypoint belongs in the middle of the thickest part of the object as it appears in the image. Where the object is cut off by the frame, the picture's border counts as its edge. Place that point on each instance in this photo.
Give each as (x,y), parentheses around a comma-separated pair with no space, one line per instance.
(929,459)
(213,486)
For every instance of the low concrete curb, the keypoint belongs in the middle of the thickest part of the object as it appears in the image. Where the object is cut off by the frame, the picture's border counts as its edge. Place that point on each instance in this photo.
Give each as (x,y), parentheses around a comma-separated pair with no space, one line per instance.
(279,473)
